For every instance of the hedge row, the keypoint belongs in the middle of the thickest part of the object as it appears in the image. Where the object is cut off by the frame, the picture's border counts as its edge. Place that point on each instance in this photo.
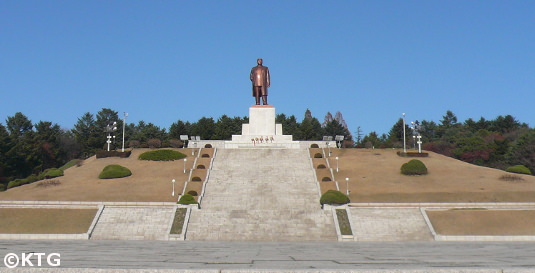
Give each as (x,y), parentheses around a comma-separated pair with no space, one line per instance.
(46,174)
(162,155)
(412,154)
(104,154)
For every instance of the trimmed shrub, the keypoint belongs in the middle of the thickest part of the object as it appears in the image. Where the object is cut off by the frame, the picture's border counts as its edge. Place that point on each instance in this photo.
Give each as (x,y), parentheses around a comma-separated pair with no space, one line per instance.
(114,171)
(321,166)
(318,155)
(134,144)
(201,167)
(326,179)
(196,179)
(208,146)
(333,197)
(314,145)
(16,183)
(521,169)
(104,154)
(49,173)
(193,193)
(175,143)
(154,143)
(161,155)
(414,167)
(32,178)
(187,199)
(3,187)
(69,164)
(206,155)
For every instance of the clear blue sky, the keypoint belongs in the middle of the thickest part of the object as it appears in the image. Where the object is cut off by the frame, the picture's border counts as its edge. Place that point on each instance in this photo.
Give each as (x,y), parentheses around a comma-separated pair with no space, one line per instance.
(162,61)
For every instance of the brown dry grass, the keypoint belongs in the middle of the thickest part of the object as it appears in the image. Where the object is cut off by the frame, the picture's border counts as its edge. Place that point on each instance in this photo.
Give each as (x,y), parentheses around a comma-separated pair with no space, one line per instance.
(45,221)
(150,181)
(483,222)
(374,176)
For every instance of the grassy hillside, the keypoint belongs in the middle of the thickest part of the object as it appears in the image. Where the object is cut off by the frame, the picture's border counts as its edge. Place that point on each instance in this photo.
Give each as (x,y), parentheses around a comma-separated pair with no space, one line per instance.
(150,181)
(375,177)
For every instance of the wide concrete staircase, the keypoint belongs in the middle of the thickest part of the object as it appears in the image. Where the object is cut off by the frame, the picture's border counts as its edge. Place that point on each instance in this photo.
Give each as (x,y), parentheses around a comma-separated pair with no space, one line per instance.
(261,195)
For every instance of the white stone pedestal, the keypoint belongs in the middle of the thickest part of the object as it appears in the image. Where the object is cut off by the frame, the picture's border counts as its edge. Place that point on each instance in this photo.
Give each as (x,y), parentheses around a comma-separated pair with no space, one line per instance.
(262,131)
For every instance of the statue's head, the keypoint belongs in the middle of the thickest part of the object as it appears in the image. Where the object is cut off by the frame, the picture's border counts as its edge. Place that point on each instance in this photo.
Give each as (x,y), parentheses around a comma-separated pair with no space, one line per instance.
(259,61)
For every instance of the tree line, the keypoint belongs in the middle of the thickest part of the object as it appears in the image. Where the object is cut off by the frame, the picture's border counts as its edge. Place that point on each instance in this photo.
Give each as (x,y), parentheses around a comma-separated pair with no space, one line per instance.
(497,143)
(27,148)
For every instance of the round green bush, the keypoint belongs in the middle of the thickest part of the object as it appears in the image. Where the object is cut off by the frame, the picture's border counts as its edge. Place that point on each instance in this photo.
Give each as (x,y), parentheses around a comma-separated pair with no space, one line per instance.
(314,145)
(321,166)
(318,155)
(521,169)
(51,173)
(333,197)
(161,155)
(414,167)
(326,179)
(2,187)
(187,199)
(114,171)
(196,179)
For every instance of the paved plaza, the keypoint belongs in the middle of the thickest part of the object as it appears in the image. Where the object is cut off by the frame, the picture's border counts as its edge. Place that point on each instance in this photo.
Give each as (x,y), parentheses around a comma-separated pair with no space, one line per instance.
(282,256)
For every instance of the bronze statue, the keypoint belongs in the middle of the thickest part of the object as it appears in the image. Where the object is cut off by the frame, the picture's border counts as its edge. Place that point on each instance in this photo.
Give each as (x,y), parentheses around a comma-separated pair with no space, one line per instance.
(260,80)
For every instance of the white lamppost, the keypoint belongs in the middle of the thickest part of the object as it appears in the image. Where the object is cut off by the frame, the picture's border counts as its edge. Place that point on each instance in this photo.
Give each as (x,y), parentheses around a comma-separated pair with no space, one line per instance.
(419,144)
(414,142)
(185,160)
(336,164)
(347,186)
(124,124)
(404,143)
(173,182)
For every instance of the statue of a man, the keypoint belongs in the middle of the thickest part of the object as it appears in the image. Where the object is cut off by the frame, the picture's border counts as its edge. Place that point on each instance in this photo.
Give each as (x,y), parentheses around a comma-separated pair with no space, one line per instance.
(260,80)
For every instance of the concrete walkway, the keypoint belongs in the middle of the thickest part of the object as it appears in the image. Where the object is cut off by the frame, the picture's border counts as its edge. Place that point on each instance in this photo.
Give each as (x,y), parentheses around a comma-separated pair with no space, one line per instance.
(261,195)
(134,223)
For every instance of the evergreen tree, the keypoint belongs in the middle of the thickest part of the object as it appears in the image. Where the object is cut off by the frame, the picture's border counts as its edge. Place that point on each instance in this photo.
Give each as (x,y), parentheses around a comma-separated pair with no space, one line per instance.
(46,141)
(21,157)
(328,119)
(88,135)
(204,127)
(225,127)
(289,124)
(4,148)
(334,128)
(179,128)
(371,140)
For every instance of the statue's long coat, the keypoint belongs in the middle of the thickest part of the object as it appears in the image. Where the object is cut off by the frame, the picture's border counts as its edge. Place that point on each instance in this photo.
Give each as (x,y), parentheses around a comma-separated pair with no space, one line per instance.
(260,77)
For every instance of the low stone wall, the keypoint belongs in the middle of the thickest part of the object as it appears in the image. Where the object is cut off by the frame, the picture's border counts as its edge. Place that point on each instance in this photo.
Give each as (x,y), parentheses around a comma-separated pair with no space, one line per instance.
(221,144)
